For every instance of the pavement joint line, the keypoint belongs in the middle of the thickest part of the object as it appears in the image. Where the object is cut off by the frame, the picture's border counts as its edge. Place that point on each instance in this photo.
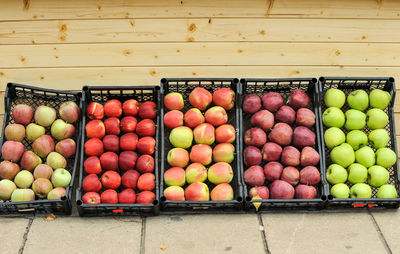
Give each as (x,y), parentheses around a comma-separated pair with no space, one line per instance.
(25,237)
(263,233)
(381,235)
(142,236)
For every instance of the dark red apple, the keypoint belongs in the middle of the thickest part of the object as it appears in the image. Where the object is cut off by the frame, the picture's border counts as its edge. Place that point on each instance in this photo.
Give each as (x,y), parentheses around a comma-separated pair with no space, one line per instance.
(91,198)
(281,190)
(281,134)
(128,124)
(92,165)
(255,137)
(113,108)
(111,180)
(148,110)
(254,176)
(130,107)
(109,161)
(264,119)
(146,145)
(127,196)
(272,101)
(130,178)
(13,150)
(251,103)
(305,192)
(271,151)
(290,175)
(112,126)
(305,117)
(146,182)
(252,156)
(111,143)
(66,147)
(91,183)
(285,115)
(95,111)
(309,157)
(145,164)
(128,142)
(273,171)
(298,99)
(109,197)
(290,156)
(145,197)
(302,136)
(146,127)
(261,191)
(310,175)
(127,160)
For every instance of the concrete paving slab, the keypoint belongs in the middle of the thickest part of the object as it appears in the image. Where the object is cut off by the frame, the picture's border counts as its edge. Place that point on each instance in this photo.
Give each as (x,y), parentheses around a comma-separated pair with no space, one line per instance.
(12,232)
(204,234)
(389,223)
(84,235)
(322,233)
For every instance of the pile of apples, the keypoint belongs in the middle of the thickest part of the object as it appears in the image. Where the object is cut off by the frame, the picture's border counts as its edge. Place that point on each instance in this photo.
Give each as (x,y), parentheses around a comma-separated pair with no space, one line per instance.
(361,156)
(280,140)
(119,153)
(40,172)
(208,129)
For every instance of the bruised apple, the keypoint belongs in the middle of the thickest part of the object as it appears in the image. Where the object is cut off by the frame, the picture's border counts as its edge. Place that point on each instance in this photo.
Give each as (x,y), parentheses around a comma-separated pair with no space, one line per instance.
(95,111)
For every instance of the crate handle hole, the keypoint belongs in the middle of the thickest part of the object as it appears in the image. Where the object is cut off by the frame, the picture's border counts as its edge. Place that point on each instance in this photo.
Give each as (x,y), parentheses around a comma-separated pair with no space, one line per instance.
(330,197)
(79,95)
(248,198)
(239,199)
(314,80)
(322,79)
(79,202)
(63,198)
(163,80)
(323,197)
(85,88)
(157,88)
(235,80)
(9,85)
(163,199)
(242,80)
(391,79)
(155,202)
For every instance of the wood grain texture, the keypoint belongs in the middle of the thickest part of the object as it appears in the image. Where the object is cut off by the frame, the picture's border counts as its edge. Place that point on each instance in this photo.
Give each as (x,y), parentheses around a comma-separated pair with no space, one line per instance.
(200,30)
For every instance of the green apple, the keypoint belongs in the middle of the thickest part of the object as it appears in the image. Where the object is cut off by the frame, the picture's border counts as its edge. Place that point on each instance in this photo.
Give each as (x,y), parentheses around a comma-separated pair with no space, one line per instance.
(355,119)
(23,179)
(377,119)
(334,137)
(343,155)
(34,131)
(386,191)
(333,117)
(378,138)
(379,98)
(340,190)
(61,178)
(377,176)
(336,174)
(385,157)
(365,156)
(358,99)
(357,173)
(357,139)
(181,137)
(334,98)
(361,190)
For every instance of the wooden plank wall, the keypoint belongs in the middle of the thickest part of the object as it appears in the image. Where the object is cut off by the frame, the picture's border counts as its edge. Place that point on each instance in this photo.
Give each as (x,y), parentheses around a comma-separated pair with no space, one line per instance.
(67,44)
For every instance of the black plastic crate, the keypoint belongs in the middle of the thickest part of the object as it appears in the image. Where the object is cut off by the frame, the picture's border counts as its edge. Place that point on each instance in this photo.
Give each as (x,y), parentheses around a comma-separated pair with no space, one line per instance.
(34,97)
(103,94)
(184,86)
(347,85)
(284,87)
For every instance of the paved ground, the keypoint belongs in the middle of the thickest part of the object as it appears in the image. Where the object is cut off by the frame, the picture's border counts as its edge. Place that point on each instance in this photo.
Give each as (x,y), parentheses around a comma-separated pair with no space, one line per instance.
(272,232)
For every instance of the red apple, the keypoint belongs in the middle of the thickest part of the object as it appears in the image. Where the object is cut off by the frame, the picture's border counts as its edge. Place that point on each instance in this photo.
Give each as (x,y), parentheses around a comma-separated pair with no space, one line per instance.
(145,164)
(290,156)
(174,193)
(261,191)
(281,190)
(223,152)
(222,191)
(112,126)
(254,176)
(91,198)
(111,143)
(216,116)
(193,117)
(263,119)
(22,114)
(201,153)
(146,127)
(93,147)
(130,178)
(69,111)
(173,119)
(271,151)
(113,108)
(146,182)
(302,136)
(95,111)
(224,97)
(310,175)
(14,132)
(197,192)
(225,133)
(290,175)
(127,160)
(43,145)
(174,176)
(173,101)
(285,115)
(30,160)
(148,110)
(130,107)
(200,98)
(305,192)
(272,101)
(281,134)
(298,99)
(127,196)
(273,171)
(204,134)
(128,124)
(146,145)
(128,142)
(305,117)
(13,150)
(195,172)
(255,137)
(91,183)
(109,197)
(95,129)
(111,180)
(145,197)
(66,147)
(109,161)
(43,171)
(92,165)
(252,156)
(178,157)
(220,172)
(251,103)
(309,157)
(8,170)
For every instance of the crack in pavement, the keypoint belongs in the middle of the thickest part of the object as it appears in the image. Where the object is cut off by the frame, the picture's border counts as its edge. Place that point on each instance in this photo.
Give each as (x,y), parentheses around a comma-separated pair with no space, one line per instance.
(142,236)
(263,233)
(381,235)
(25,237)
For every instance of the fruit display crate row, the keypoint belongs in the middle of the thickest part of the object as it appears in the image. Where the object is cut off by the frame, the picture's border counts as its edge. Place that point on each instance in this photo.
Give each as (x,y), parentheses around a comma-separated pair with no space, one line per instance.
(30,124)
(119,164)
(207,181)
(282,156)
(357,120)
